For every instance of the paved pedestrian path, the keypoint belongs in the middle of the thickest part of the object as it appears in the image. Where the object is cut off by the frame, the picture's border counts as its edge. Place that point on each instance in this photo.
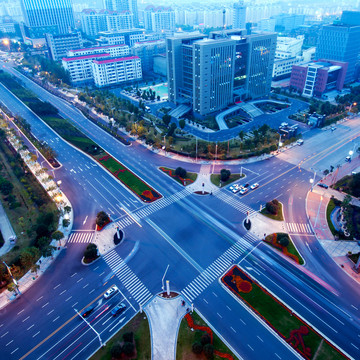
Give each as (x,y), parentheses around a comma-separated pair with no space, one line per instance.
(164,316)
(131,282)
(218,267)
(7,231)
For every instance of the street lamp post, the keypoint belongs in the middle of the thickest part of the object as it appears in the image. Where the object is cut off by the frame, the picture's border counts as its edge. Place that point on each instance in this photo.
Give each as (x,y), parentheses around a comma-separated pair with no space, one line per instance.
(98,335)
(280,143)
(312,181)
(162,280)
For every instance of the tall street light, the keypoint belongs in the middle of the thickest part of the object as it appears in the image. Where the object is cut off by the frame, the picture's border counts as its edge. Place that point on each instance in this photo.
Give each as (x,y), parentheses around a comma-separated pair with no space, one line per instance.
(312,181)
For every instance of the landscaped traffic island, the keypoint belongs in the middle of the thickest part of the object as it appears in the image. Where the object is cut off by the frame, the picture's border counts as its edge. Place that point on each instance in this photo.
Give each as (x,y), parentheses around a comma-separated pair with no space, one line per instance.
(196,341)
(180,175)
(128,178)
(302,337)
(283,243)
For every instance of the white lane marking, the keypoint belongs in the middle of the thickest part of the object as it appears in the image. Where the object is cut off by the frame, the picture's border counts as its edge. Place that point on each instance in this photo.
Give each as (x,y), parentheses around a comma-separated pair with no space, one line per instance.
(36,334)
(232,329)
(63,292)
(14,351)
(50,312)
(214,294)
(56,319)
(30,327)
(250,347)
(354,346)
(85,286)
(4,334)
(277,355)
(354,307)
(79,280)
(39,298)
(56,286)
(243,321)
(260,338)
(120,321)
(45,305)
(91,291)
(75,304)
(85,220)
(9,342)
(228,308)
(73,274)
(205,301)
(96,268)
(219,316)
(106,321)
(68,298)
(307,244)
(26,319)
(102,273)
(20,311)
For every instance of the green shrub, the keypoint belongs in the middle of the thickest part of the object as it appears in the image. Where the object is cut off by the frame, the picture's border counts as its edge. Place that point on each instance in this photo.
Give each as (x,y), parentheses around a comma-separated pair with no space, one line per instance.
(197,347)
(181,172)
(225,174)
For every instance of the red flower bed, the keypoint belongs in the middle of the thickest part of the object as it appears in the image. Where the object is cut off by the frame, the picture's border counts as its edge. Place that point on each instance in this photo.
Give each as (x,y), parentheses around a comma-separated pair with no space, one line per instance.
(282,248)
(100,228)
(192,325)
(170,173)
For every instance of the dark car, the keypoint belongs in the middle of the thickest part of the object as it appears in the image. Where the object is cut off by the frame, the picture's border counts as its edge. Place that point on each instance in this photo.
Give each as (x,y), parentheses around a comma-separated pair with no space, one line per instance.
(323,185)
(88,310)
(246,185)
(118,309)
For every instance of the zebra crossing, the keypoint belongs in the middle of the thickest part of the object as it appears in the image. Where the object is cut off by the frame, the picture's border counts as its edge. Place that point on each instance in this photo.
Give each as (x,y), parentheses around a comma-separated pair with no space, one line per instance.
(150,209)
(131,282)
(218,267)
(81,237)
(298,228)
(234,202)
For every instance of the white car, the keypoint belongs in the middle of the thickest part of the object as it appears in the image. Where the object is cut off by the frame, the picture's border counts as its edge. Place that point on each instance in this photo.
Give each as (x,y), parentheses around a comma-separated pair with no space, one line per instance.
(111,292)
(244,191)
(254,186)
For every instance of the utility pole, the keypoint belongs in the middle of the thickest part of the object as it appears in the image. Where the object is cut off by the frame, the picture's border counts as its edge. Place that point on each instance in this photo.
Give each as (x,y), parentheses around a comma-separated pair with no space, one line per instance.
(97,334)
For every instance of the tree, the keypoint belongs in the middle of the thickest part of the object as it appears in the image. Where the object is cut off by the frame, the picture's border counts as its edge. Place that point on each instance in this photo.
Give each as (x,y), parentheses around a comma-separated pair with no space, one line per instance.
(116,351)
(181,172)
(283,239)
(128,348)
(197,347)
(166,119)
(128,337)
(91,252)
(225,174)
(354,185)
(35,268)
(29,256)
(271,208)
(102,218)
(209,351)
(66,223)
(6,186)
(182,123)
(57,235)
(205,339)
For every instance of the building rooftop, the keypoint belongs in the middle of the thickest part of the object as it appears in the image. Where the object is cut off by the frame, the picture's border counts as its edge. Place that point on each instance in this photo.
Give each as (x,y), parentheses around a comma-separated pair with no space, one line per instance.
(92,56)
(97,47)
(114,60)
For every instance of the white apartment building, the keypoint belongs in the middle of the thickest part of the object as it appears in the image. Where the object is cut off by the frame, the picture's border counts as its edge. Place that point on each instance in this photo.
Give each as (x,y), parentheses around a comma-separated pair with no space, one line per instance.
(115,71)
(95,21)
(128,37)
(59,44)
(80,68)
(112,50)
(159,19)
(287,47)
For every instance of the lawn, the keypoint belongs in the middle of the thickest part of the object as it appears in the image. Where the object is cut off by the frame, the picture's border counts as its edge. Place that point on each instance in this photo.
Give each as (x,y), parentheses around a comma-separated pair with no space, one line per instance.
(349,184)
(279,216)
(215,179)
(186,338)
(129,179)
(286,323)
(331,206)
(140,327)
(290,249)
(190,176)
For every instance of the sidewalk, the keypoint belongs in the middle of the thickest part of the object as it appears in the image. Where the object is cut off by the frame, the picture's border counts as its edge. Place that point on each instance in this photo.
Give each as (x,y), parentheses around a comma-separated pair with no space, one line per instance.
(316,206)
(164,317)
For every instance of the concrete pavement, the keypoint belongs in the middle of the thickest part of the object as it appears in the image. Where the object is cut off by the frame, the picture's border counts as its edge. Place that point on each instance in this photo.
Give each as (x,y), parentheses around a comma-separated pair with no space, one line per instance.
(164,317)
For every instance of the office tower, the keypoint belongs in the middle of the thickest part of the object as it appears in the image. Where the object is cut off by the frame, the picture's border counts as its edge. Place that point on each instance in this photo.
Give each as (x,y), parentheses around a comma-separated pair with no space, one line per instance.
(340,42)
(158,19)
(123,5)
(48,13)
(351,18)
(239,15)
(60,44)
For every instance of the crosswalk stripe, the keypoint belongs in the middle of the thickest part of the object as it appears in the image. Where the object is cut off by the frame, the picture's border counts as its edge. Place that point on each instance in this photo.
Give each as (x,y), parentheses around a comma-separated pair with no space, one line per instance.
(80,237)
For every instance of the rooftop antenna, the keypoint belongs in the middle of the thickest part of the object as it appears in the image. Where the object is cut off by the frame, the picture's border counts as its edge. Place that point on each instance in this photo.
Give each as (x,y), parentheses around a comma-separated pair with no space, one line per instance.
(224,25)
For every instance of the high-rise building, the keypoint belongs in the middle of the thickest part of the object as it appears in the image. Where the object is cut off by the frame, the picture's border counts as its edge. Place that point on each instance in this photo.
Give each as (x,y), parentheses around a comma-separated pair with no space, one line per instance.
(239,15)
(340,42)
(45,13)
(60,44)
(128,37)
(123,5)
(158,19)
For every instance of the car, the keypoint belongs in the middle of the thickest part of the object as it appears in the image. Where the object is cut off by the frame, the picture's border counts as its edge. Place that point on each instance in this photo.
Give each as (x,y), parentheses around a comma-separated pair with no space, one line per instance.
(300,142)
(111,292)
(323,185)
(235,190)
(88,311)
(333,128)
(246,185)
(348,158)
(244,191)
(254,186)
(284,124)
(118,309)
